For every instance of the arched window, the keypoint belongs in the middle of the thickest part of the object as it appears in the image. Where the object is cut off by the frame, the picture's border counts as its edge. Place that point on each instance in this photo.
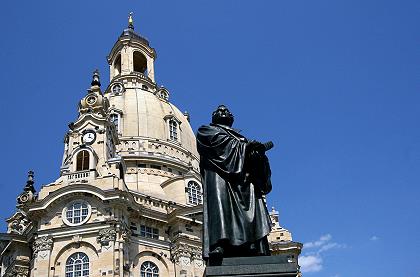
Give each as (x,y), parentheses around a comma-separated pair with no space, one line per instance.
(117,66)
(173,130)
(195,195)
(77,265)
(140,62)
(82,160)
(148,269)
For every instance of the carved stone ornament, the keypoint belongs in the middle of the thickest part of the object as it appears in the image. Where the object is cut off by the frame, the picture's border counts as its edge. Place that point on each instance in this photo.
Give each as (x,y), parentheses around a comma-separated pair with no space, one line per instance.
(182,253)
(125,232)
(185,261)
(106,235)
(42,243)
(199,263)
(18,271)
(23,198)
(19,223)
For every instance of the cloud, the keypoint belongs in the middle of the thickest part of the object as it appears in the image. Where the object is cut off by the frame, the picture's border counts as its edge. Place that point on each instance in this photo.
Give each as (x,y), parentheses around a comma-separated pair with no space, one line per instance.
(312,260)
(310,263)
(374,238)
(322,240)
(322,244)
(329,246)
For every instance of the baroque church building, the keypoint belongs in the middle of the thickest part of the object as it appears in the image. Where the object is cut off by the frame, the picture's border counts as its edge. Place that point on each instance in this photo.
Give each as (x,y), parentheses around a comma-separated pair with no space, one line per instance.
(128,201)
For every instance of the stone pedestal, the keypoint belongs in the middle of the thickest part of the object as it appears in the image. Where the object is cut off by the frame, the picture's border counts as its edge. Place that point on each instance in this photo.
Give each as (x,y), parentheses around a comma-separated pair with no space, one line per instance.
(266,266)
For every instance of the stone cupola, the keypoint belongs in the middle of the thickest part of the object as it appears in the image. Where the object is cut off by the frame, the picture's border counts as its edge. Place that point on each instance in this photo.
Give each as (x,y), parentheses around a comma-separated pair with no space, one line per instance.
(132,55)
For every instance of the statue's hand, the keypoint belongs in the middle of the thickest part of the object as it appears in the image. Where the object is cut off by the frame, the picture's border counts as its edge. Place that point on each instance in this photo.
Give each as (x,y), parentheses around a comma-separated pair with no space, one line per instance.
(254,145)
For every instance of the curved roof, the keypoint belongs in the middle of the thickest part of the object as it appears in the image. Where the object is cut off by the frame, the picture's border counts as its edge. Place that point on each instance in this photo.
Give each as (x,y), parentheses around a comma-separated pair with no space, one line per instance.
(131,34)
(153,114)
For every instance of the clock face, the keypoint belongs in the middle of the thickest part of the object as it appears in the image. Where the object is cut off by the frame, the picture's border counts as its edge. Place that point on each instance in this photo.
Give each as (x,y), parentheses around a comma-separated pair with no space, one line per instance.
(89,137)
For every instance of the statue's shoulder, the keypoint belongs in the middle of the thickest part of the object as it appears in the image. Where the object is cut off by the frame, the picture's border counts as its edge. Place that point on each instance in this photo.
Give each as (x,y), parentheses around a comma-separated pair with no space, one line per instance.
(210,128)
(211,131)
(205,130)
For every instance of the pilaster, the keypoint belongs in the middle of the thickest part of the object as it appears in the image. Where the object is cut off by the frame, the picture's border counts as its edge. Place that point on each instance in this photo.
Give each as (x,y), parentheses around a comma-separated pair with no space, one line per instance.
(42,247)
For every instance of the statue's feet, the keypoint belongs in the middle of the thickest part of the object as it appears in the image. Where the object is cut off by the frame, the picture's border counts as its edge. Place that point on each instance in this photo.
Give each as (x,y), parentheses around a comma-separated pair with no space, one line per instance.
(217,252)
(216,256)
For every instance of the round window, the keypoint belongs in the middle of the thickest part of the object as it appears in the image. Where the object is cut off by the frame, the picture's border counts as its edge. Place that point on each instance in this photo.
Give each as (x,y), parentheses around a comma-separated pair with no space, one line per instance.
(117,88)
(91,100)
(76,213)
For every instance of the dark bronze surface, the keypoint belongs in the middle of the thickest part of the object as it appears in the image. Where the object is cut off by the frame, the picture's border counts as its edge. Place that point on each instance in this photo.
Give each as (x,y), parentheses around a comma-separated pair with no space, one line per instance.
(236,174)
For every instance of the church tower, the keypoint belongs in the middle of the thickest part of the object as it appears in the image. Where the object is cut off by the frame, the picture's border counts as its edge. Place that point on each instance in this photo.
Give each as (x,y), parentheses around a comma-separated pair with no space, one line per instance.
(128,201)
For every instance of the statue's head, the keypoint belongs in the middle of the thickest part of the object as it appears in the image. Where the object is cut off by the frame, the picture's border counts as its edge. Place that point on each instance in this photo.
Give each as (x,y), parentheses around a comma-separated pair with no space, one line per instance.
(222,116)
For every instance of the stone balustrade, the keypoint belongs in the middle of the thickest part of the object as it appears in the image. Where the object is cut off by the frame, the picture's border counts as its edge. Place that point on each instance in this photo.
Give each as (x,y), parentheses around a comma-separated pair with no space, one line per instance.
(81,175)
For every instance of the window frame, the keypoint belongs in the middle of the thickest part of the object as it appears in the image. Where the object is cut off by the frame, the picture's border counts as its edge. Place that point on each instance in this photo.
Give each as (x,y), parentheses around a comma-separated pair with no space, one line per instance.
(114,116)
(173,130)
(149,232)
(76,257)
(114,86)
(119,114)
(194,195)
(92,158)
(82,220)
(83,160)
(168,120)
(146,266)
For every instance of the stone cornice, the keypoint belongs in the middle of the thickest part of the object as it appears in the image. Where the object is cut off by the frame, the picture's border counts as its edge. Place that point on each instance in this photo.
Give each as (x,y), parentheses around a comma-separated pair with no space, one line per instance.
(286,246)
(137,76)
(71,189)
(140,203)
(99,120)
(70,231)
(161,244)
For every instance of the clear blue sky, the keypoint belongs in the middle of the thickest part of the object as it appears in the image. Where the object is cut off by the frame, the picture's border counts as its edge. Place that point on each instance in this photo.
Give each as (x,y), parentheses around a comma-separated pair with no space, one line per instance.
(332,83)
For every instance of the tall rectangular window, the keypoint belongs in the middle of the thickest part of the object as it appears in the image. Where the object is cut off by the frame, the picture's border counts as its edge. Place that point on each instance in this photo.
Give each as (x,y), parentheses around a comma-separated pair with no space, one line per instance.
(114,118)
(173,130)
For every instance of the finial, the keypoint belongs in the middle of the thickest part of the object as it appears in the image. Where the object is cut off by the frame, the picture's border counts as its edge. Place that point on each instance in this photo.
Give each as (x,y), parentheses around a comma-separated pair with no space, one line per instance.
(30,176)
(30,182)
(95,79)
(130,21)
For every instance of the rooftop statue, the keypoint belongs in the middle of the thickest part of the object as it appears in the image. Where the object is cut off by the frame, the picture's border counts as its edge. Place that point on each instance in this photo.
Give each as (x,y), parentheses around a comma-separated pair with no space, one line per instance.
(236,175)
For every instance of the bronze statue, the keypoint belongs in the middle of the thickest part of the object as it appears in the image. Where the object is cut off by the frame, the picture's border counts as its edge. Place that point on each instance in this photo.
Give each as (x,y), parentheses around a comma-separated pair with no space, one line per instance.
(236,174)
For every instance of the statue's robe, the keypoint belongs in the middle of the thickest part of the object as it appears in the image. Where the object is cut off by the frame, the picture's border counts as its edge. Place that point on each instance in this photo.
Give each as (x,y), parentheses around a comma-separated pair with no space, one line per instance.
(235,180)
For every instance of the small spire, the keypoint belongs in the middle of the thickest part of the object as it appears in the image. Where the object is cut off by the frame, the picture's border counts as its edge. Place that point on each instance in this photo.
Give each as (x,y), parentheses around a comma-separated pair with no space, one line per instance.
(95,79)
(30,182)
(130,21)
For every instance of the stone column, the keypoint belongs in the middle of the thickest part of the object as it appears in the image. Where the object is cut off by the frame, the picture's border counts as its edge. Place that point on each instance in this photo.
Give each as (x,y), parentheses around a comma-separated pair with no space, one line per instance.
(126,60)
(150,68)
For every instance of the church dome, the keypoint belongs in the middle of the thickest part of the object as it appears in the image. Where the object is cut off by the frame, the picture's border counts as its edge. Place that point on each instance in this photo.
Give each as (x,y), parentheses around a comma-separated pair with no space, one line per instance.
(156,117)
(156,141)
